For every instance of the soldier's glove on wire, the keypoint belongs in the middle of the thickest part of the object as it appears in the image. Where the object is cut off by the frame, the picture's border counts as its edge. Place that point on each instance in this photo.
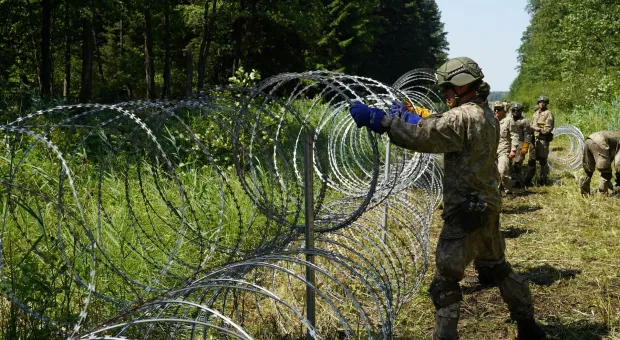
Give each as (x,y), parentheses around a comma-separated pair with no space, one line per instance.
(363,115)
(399,109)
(411,118)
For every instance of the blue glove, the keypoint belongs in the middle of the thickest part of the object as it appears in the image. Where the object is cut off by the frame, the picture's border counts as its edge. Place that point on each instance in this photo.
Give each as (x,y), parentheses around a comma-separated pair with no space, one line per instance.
(363,115)
(411,118)
(398,108)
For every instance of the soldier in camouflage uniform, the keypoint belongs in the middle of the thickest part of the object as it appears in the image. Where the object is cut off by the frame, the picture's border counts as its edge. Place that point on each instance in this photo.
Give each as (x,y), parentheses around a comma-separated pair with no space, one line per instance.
(601,148)
(542,126)
(525,139)
(507,148)
(468,136)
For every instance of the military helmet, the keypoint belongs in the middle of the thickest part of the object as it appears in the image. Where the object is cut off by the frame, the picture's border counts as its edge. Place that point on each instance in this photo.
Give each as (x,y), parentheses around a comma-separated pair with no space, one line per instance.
(458,72)
(517,107)
(499,106)
(543,99)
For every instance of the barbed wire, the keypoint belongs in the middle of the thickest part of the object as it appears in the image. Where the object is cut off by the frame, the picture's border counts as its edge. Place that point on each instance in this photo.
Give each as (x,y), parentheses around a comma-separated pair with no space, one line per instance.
(567,158)
(186,218)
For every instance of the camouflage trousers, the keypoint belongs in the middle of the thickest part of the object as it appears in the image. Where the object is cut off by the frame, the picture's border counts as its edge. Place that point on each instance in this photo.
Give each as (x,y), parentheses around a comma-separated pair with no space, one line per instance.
(597,158)
(517,167)
(539,152)
(503,165)
(460,244)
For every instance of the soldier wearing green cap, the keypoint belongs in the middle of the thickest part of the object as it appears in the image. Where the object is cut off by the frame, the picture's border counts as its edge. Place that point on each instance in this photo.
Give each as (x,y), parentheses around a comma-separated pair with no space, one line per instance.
(542,127)
(468,136)
(525,139)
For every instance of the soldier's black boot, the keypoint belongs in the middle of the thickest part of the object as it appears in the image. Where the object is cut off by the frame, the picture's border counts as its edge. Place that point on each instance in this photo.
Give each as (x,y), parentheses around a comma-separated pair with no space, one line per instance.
(616,192)
(584,184)
(446,296)
(531,171)
(544,172)
(605,185)
(528,329)
(445,328)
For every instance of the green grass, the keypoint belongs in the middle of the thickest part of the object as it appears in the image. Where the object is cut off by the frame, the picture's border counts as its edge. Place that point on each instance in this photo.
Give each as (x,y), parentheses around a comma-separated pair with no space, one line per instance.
(568,247)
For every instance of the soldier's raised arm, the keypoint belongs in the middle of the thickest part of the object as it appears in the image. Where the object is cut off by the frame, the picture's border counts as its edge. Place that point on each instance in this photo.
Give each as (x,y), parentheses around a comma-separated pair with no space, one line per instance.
(438,133)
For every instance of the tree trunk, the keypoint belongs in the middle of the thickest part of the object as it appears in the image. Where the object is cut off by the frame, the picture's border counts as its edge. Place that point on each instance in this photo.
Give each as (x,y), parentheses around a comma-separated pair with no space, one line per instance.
(189,71)
(129,89)
(99,60)
(46,65)
(148,56)
(67,83)
(86,86)
(237,33)
(165,91)
(203,44)
(128,86)
(208,47)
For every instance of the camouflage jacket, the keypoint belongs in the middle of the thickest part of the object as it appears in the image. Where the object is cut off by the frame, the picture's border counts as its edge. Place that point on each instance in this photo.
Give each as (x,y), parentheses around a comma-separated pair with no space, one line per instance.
(508,136)
(607,140)
(523,129)
(468,136)
(543,120)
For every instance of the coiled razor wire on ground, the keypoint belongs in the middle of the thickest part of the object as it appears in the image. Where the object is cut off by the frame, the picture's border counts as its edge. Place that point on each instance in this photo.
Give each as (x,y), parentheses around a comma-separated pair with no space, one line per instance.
(177,219)
(568,156)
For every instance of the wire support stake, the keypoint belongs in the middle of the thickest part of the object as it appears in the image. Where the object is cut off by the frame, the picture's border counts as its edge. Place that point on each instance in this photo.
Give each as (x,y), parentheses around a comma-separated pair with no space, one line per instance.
(309,231)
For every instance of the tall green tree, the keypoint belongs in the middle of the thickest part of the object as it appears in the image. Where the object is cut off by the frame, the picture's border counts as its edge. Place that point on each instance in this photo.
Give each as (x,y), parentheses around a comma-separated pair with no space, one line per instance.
(570,51)
(413,37)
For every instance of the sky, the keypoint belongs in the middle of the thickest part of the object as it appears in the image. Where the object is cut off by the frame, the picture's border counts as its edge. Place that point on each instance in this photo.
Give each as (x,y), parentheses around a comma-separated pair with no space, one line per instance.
(489,32)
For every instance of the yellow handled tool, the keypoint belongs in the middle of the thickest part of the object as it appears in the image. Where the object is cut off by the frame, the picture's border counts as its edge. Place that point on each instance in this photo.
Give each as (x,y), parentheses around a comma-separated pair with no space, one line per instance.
(420,111)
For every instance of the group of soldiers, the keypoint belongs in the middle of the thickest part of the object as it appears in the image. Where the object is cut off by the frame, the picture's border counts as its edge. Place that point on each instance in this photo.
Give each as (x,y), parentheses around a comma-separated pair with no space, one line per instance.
(518,138)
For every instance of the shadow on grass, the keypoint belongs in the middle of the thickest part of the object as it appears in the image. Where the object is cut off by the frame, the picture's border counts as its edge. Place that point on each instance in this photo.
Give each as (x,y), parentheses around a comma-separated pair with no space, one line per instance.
(526,192)
(512,232)
(558,148)
(472,286)
(579,330)
(545,274)
(522,209)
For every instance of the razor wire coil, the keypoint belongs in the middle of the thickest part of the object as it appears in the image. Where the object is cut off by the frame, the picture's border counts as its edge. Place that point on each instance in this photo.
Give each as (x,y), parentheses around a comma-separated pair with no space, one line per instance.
(185,218)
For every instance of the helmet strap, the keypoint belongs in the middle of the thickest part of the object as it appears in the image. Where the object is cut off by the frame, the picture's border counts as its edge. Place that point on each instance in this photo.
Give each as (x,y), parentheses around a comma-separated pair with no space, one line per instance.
(457,96)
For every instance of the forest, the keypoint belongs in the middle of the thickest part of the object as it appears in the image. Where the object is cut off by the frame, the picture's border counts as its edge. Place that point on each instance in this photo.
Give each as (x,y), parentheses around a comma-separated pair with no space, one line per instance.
(118,50)
(571,52)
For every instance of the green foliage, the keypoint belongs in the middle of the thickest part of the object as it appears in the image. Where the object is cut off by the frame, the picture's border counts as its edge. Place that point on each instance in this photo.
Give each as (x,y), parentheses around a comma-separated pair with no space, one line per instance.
(570,52)
(244,79)
(269,36)
(604,115)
